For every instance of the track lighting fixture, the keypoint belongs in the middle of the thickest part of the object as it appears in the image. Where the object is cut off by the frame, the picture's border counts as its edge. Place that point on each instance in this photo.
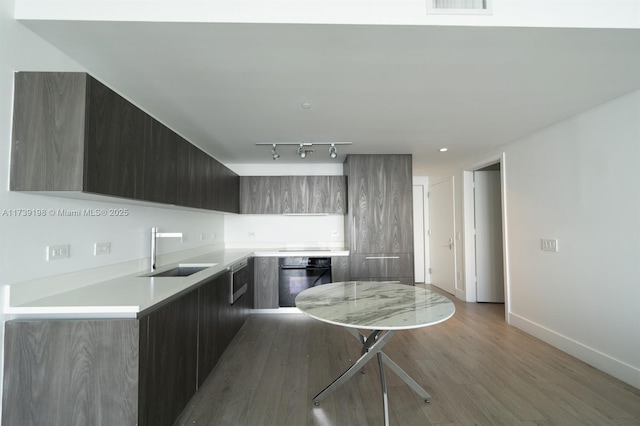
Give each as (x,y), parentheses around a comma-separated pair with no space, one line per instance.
(274,154)
(333,153)
(304,148)
(302,152)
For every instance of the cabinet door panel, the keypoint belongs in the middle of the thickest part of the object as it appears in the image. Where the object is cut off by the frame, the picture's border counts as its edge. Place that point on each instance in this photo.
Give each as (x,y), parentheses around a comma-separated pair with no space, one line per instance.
(260,195)
(229,199)
(379,221)
(60,372)
(114,147)
(296,196)
(382,265)
(266,283)
(193,177)
(47,152)
(337,194)
(161,164)
(340,268)
(169,366)
(209,341)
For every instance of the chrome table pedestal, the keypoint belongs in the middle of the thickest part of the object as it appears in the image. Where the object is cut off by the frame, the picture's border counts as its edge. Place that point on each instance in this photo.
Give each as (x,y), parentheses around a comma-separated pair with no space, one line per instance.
(372,346)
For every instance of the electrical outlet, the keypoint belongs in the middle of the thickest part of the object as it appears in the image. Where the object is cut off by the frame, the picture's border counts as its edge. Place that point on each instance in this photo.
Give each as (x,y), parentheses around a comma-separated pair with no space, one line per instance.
(57,252)
(101,248)
(548,244)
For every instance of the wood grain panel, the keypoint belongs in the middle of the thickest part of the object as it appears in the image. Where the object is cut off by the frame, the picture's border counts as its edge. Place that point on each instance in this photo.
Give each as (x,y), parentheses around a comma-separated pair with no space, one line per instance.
(292,194)
(340,268)
(192,176)
(379,221)
(231,191)
(169,363)
(382,265)
(161,164)
(58,372)
(114,154)
(260,195)
(209,341)
(48,135)
(266,283)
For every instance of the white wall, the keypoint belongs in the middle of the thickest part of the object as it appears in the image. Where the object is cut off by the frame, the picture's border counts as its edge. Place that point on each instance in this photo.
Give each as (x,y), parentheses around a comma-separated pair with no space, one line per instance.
(579,182)
(23,240)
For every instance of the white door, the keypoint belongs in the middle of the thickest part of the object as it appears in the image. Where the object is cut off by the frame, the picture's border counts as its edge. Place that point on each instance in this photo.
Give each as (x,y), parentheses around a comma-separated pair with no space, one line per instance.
(441,240)
(418,233)
(488,223)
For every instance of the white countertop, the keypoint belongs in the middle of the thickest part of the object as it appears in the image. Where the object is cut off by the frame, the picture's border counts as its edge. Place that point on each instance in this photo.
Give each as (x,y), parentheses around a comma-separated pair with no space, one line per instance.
(132,295)
(375,305)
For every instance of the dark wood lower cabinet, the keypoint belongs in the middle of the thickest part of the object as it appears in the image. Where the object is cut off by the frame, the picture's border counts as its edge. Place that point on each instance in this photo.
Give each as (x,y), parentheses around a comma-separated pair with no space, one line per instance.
(266,283)
(168,360)
(71,372)
(340,269)
(118,372)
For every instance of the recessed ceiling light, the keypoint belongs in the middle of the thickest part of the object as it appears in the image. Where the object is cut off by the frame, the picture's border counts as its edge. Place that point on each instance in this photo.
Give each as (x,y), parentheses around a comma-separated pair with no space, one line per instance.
(306,105)
(444,149)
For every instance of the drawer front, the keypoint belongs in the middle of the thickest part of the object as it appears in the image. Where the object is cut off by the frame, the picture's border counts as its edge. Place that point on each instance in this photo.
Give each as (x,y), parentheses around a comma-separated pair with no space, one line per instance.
(382,265)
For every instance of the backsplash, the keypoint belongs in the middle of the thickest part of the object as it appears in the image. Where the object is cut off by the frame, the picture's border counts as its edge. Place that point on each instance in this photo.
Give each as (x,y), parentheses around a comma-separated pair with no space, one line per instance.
(283,231)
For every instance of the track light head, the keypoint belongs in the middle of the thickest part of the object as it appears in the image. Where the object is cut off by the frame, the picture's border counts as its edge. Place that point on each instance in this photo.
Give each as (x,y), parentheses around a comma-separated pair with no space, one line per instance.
(333,153)
(304,148)
(302,152)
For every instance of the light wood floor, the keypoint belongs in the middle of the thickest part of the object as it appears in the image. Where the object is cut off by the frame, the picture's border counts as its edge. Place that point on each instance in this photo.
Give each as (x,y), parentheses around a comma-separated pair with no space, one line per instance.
(479,371)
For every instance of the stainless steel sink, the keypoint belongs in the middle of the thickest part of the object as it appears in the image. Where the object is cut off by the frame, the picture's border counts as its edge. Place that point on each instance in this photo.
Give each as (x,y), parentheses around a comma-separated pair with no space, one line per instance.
(182,270)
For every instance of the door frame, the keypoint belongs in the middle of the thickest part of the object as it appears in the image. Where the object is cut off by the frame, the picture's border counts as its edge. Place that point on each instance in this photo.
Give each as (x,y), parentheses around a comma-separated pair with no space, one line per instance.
(469,226)
(422,182)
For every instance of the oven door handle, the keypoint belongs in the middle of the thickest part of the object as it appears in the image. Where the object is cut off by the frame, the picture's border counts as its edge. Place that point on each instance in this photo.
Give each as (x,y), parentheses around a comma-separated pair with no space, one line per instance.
(304,267)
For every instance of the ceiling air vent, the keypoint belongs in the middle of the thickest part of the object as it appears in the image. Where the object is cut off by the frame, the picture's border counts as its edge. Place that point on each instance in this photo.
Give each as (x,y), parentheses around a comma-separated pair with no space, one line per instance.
(459,7)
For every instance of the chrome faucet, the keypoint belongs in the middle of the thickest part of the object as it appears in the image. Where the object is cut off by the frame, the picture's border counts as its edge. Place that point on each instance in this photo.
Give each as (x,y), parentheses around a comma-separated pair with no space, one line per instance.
(154,236)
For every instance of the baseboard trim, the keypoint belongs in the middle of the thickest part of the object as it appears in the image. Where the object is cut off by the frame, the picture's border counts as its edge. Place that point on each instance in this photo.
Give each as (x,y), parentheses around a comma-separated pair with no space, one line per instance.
(618,369)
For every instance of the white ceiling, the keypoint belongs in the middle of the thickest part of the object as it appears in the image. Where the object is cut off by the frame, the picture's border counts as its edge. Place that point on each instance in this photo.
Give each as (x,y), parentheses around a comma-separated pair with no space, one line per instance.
(388,89)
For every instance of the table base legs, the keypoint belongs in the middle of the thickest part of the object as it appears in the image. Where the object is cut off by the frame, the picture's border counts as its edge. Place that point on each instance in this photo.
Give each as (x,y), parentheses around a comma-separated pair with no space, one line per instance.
(372,346)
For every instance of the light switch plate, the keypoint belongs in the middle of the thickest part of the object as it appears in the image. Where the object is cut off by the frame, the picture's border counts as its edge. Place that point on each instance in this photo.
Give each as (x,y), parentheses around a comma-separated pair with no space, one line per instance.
(101,248)
(547,244)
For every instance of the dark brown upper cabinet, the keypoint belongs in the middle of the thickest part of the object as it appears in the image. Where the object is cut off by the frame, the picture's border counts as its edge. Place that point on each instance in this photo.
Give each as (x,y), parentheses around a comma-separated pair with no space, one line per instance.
(292,195)
(72,133)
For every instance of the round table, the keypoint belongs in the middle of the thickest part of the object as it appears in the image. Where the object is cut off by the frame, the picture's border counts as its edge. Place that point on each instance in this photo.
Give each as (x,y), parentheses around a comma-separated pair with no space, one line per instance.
(382,307)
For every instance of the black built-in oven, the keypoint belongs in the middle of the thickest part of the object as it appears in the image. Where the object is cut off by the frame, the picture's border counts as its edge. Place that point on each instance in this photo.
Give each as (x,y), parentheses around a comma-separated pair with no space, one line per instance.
(300,273)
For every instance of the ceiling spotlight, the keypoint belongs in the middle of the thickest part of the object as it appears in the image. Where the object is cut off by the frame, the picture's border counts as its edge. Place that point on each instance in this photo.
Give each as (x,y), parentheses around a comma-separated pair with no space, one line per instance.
(333,153)
(274,154)
(443,150)
(302,152)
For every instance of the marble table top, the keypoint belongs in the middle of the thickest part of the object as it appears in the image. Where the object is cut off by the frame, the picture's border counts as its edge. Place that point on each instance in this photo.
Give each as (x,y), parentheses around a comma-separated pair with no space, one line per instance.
(375,305)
